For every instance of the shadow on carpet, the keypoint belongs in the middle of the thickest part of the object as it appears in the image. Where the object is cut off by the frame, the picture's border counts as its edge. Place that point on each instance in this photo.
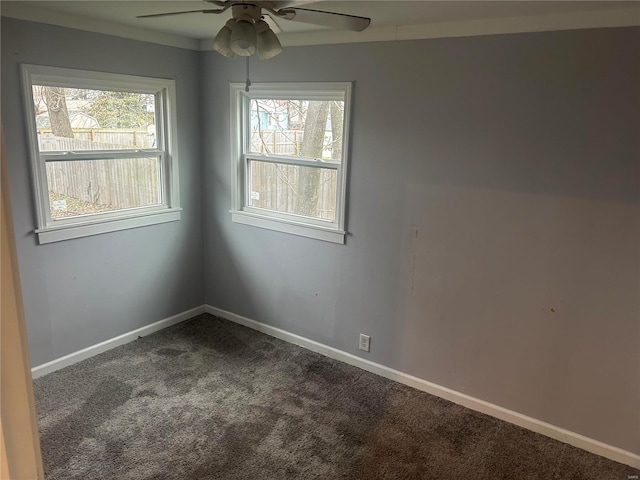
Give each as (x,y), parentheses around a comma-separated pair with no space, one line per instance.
(208,399)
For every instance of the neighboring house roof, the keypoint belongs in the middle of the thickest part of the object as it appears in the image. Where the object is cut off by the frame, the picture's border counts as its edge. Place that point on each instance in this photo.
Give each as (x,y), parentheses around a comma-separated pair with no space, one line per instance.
(77,119)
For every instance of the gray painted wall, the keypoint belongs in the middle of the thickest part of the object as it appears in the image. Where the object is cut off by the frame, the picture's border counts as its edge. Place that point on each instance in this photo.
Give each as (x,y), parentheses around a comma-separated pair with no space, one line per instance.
(493,218)
(84,291)
(492,180)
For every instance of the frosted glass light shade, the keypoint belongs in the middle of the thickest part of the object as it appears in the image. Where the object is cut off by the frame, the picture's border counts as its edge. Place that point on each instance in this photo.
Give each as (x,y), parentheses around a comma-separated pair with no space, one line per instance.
(222,42)
(244,39)
(268,44)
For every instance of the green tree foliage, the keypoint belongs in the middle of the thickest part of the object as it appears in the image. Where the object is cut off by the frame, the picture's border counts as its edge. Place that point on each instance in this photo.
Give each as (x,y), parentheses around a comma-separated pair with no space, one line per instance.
(120,110)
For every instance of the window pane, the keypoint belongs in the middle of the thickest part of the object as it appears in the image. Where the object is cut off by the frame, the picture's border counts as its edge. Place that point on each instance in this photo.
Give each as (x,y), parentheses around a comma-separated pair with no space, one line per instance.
(73,119)
(308,128)
(307,191)
(84,187)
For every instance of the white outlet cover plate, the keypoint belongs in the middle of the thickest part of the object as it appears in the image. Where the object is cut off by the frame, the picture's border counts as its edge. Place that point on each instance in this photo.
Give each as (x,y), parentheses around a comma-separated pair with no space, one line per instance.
(364,342)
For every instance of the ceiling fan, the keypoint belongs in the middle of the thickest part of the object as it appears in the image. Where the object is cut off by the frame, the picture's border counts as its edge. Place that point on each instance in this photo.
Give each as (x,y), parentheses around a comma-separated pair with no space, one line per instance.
(251,28)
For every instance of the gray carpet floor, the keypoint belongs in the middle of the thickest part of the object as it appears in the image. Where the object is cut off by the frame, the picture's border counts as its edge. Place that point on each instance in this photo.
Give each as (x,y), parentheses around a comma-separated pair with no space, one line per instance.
(208,399)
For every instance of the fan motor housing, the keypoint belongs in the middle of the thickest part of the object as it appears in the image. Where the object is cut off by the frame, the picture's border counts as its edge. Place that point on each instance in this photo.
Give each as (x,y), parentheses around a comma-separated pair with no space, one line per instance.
(246,12)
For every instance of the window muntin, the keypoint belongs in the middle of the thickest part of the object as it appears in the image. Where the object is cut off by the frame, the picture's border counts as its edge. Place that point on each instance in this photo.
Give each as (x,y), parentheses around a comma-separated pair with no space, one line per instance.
(103,149)
(290,156)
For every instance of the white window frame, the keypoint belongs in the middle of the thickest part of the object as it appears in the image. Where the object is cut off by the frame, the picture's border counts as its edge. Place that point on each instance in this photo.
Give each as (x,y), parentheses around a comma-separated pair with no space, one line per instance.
(53,230)
(241,209)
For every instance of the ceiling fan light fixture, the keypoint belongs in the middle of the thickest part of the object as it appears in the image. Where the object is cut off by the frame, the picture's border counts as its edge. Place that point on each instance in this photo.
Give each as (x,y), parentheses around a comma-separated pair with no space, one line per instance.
(243,37)
(247,32)
(268,44)
(222,42)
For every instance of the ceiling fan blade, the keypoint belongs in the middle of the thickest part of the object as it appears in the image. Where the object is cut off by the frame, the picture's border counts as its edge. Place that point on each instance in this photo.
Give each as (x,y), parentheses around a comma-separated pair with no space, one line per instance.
(279,4)
(268,4)
(273,25)
(327,19)
(180,13)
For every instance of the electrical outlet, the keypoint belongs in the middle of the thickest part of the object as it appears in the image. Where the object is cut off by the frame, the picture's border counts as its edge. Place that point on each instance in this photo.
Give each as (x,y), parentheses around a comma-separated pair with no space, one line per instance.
(364,342)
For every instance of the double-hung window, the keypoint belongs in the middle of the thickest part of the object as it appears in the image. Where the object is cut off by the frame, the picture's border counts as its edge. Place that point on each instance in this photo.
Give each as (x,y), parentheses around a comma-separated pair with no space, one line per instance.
(103,151)
(289,157)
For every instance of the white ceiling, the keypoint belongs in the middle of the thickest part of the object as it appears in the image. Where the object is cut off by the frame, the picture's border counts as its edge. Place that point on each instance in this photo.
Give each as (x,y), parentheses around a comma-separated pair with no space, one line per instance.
(391,20)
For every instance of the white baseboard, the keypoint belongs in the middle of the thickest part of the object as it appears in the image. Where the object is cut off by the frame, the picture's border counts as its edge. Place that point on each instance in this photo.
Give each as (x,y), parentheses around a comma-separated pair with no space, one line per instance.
(538,426)
(89,352)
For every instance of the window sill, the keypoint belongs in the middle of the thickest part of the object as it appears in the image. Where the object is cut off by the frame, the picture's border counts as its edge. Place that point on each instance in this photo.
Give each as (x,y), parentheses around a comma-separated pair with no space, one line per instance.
(85,229)
(294,228)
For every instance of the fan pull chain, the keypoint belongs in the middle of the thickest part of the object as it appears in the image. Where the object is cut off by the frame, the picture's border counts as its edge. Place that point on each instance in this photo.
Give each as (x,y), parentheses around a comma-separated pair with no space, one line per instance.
(248,84)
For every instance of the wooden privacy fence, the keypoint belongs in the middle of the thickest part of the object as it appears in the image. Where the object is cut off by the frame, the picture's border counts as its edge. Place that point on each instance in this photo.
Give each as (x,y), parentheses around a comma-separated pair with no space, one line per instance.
(95,139)
(117,183)
(127,183)
(278,186)
(282,142)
